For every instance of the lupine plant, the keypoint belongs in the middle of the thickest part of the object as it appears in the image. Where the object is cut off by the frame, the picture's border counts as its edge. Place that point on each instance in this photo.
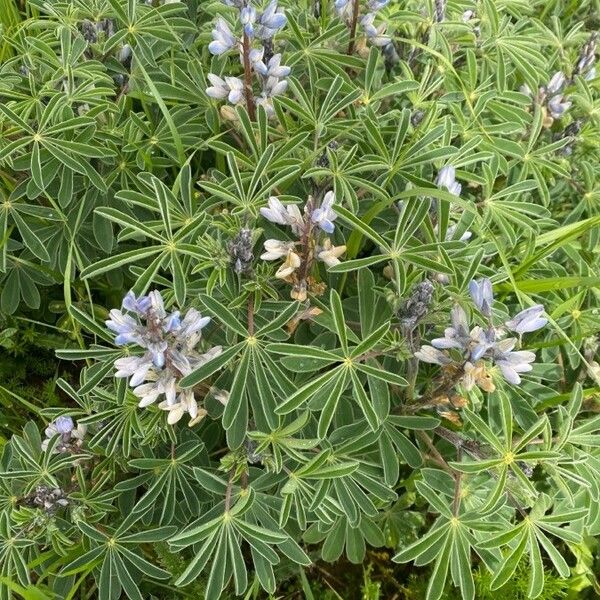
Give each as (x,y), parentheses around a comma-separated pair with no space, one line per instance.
(322,277)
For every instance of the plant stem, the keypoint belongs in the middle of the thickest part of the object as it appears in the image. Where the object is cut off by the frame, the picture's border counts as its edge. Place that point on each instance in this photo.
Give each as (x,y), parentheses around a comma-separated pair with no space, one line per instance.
(353,25)
(248,78)
(457,481)
(251,314)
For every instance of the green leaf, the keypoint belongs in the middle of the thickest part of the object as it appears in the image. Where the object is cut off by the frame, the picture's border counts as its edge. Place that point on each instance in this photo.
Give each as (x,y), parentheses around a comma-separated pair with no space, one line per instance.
(207,369)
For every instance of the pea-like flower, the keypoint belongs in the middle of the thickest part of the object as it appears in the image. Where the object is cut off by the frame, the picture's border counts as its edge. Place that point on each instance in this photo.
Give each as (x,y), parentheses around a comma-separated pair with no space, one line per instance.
(223,38)
(270,21)
(324,216)
(375,35)
(558,106)
(456,336)
(482,295)
(375,5)
(556,83)
(283,215)
(273,68)
(466,351)
(528,320)
(329,254)
(231,88)
(511,362)
(247,19)
(447,179)
(432,355)
(71,435)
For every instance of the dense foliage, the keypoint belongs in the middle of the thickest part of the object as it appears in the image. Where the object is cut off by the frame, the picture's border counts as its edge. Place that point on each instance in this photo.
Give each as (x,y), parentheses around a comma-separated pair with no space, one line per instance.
(321,277)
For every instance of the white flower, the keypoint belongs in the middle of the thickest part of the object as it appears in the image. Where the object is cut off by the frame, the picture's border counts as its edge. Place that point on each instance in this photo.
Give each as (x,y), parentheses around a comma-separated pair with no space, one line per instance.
(447,178)
(283,215)
(136,367)
(291,263)
(219,90)
(432,355)
(276,249)
(329,254)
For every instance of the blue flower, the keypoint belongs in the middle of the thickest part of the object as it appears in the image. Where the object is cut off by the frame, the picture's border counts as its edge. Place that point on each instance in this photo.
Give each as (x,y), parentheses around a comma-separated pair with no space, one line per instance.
(511,362)
(271,21)
(324,215)
(273,68)
(482,295)
(125,326)
(247,19)
(481,341)
(223,38)
(557,106)
(137,305)
(172,322)
(528,320)
(456,336)
(64,424)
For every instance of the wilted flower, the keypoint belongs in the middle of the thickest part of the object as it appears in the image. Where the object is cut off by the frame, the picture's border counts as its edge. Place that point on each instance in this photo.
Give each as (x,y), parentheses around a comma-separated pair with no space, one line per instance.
(324,215)
(528,320)
(240,250)
(482,295)
(417,305)
(291,263)
(447,179)
(440,11)
(48,498)
(477,375)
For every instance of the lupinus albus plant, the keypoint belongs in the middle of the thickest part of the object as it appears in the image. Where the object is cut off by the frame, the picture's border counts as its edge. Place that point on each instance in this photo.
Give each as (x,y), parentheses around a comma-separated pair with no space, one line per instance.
(323,280)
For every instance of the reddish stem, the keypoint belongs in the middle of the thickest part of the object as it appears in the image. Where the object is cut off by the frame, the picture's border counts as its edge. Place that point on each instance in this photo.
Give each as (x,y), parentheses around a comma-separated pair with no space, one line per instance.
(250,105)
(353,26)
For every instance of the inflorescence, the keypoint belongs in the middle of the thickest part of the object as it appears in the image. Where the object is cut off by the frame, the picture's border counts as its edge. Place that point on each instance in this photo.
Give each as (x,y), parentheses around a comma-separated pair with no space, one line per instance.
(465,351)
(254,44)
(300,254)
(170,353)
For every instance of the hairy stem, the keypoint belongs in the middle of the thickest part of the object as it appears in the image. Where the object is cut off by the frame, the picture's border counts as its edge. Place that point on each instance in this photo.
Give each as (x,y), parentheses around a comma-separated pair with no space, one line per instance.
(353,25)
(250,105)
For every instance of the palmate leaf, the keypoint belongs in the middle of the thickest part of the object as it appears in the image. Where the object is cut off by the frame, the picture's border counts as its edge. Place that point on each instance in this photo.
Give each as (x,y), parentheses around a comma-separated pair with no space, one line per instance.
(221,538)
